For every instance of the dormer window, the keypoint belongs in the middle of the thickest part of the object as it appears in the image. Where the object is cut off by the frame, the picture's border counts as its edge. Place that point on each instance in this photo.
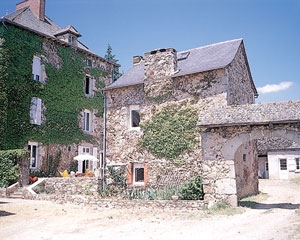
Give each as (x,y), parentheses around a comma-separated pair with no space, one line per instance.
(88,62)
(72,39)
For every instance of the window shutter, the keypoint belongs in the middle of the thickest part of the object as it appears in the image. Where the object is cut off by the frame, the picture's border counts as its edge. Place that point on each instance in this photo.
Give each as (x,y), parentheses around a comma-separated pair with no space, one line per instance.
(39,111)
(36,111)
(145,173)
(95,154)
(129,174)
(80,151)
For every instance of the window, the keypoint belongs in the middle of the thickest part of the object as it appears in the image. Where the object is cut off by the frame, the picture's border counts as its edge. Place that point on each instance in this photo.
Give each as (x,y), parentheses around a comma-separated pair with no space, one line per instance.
(297,164)
(71,39)
(283,164)
(33,149)
(87,121)
(37,69)
(138,173)
(244,157)
(88,86)
(89,62)
(36,111)
(134,116)
(267,166)
(85,150)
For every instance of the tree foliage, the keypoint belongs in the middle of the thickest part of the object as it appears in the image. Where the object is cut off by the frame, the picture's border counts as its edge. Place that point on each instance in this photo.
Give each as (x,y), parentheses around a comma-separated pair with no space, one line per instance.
(109,56)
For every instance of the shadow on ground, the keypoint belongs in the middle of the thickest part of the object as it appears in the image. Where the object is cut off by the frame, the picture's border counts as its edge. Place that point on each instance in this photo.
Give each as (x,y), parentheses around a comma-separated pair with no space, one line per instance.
(256,205)
(5,214)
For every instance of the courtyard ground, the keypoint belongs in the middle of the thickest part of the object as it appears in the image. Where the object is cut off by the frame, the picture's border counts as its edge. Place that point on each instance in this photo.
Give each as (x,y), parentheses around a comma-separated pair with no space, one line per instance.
(273,214)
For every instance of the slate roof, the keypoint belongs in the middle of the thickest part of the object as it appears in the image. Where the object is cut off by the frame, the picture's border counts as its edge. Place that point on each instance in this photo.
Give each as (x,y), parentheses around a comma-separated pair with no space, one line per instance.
(25,18)
(210,57)
(251,114)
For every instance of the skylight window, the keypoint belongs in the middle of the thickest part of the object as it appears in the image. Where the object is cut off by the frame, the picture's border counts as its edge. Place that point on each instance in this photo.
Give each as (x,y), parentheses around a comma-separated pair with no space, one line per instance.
(182,55)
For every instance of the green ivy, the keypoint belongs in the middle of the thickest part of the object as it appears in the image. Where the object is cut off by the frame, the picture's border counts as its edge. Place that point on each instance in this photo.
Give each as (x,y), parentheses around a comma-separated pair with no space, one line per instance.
(62,95)
(170,131)
(19,88)
(3,96)
(8,166)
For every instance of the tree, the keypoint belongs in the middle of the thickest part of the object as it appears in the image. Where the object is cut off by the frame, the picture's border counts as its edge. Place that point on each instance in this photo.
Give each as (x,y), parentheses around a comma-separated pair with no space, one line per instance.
(112,58)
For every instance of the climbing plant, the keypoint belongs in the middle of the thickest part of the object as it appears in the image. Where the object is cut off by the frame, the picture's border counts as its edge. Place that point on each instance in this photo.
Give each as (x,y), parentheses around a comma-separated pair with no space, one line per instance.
(19,48)
(170,131)
(8,166)
(62,95)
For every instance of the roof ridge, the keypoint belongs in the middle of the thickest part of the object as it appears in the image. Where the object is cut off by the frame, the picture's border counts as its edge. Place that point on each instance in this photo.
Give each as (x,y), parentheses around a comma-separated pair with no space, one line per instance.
(211,45)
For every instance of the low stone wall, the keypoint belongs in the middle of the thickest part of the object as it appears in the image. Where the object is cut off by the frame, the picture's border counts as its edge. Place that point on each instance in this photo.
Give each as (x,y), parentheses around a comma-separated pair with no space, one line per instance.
(84,191)
(2,192)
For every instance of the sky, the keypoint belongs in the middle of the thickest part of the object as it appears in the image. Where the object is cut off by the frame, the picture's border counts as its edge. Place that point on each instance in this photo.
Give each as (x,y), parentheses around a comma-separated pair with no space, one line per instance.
(270,30)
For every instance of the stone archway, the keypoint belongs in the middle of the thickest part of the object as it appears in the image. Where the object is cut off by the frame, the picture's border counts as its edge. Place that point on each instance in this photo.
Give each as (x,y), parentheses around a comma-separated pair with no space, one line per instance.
(223,145)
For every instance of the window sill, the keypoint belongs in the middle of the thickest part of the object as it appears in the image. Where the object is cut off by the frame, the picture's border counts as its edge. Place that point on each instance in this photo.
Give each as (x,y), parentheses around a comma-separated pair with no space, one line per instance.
(138,184)
(86,132)
(135,129)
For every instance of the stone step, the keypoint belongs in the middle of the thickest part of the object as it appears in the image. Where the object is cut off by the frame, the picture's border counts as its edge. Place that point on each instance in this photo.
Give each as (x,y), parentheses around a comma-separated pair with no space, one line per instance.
(16,194)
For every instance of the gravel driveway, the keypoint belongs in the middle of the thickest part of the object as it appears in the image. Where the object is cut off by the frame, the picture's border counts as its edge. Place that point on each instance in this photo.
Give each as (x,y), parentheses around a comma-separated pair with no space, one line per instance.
(274,214)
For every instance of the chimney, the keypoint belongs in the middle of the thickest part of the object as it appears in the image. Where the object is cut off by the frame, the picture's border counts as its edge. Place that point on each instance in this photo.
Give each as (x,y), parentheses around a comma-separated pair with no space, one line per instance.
(160,63)
(36,6)
(137,59)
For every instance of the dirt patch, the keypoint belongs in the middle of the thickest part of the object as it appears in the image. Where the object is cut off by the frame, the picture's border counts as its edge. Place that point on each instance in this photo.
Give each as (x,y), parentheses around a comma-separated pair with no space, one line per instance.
(273,215)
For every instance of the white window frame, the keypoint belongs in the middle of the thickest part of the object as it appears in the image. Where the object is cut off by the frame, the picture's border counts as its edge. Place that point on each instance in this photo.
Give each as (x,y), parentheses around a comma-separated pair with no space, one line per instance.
(134,169)
(297,164)
(87,121)
(133,108)
(82,150)
(88,87)
(34,156)
(36,111)
(37,69)
(283,164)
(71,39)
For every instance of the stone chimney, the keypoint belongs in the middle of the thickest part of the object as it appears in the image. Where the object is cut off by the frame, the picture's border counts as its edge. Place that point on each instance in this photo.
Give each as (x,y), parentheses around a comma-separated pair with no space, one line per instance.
(160,66)
(36,6)
(137,59)
(160,63)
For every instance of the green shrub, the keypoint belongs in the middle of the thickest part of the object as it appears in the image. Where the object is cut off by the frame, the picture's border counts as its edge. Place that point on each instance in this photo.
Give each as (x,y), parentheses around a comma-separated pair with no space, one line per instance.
(192,190)
(8,166)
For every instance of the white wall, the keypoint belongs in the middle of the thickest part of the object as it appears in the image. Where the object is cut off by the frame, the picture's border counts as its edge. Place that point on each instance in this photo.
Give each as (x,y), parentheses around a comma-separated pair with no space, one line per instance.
(274,164)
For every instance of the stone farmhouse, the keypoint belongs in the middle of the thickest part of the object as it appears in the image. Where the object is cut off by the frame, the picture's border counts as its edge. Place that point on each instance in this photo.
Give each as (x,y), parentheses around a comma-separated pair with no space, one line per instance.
(59,101)
(235,137)
(75,125)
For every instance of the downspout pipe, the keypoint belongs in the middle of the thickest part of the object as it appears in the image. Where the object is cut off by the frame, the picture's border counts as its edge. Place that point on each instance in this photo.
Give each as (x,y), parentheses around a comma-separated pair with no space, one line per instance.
(104,140)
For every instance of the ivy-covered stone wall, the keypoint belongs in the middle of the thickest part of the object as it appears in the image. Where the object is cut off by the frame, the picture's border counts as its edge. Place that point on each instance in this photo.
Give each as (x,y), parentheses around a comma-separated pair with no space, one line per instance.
(62,93)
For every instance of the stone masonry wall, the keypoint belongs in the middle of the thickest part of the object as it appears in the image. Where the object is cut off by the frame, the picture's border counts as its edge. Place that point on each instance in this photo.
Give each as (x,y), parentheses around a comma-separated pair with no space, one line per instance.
(122,141)
(50,50)
(240,88)
(84,191)
(225,146)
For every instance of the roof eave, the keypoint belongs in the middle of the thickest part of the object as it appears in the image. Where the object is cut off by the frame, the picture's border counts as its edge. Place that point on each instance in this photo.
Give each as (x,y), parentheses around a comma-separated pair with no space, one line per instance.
(246,123)
(56,40)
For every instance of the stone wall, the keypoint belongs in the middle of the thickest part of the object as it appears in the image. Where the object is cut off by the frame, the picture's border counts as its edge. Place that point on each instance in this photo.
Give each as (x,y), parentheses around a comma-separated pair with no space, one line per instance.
(84,191)
(50,56)
(223,147)
(246,168)
(202,91)
(240,86)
